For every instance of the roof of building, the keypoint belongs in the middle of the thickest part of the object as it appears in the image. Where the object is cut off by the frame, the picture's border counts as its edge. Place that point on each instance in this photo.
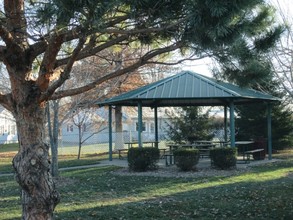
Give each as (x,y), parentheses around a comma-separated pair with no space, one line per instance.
(187,89)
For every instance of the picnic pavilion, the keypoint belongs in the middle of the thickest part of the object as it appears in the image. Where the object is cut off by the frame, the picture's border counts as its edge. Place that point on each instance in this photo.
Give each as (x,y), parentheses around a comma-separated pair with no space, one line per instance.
(190,89)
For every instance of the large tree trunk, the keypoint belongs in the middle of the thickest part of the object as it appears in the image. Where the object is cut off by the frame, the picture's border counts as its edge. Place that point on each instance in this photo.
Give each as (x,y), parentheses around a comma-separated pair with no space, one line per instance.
(32,164)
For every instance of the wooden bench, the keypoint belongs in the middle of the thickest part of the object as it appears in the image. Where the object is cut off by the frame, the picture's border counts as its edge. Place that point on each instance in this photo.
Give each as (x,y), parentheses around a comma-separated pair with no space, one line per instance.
(249,153)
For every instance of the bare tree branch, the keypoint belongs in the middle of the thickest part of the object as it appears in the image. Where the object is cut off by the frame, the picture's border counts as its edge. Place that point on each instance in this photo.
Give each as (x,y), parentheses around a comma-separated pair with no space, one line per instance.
(66,73)
(6,101)
(142,61)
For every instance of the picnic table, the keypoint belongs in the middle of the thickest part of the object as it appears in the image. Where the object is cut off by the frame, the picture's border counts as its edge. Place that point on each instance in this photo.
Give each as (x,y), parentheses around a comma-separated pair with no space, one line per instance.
(162,152)
(122,153)
(133,143)
(204,148)
(250,153)
(220,143)
(243,146)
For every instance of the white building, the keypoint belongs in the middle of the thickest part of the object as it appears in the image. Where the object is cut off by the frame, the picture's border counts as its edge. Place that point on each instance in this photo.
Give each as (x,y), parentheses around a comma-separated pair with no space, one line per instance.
(8,132)
(96,130)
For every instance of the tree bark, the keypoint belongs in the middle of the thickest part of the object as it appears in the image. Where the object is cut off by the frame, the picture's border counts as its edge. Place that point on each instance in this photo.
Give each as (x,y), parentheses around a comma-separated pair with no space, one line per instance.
(54,146)
(32,164)
(53,127)
(79,140)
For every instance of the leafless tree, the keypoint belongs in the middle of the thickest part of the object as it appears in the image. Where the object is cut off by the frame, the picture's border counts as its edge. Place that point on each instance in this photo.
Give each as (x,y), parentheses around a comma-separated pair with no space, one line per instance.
(282,56)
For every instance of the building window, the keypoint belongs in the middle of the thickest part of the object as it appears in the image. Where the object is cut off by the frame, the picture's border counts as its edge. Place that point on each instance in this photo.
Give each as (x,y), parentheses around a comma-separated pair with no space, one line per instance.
(69,128)
(143,126)
(152,127)
(13,130)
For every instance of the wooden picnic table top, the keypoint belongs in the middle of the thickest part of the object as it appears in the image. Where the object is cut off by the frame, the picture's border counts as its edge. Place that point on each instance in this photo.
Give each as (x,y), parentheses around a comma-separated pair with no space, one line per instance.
(243,142)
(192,145)
(153,143)
(211,142)
(144,142)
(172,147)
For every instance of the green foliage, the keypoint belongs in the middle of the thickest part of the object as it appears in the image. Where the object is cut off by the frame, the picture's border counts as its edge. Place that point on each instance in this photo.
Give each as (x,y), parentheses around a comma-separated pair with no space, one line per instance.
(252,124)
(186,159)
(143,158)
(246,56)
(85,12)
(224,157)
(205,25)
(251,121)
(190,124)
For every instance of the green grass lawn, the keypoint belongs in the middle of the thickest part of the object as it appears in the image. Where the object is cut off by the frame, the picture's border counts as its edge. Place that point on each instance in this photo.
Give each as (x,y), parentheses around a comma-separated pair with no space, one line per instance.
(64,161)
(91,154)
(264,192)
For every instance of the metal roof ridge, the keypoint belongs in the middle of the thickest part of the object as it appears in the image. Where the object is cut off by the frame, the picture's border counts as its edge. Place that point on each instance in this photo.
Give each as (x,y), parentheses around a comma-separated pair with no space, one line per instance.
(208,80)
(146,87)
(158,83)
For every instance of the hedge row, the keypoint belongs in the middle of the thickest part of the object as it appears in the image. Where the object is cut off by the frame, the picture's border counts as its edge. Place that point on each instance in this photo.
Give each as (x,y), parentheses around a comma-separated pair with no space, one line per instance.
(143,159)
(186,159)
(224,157)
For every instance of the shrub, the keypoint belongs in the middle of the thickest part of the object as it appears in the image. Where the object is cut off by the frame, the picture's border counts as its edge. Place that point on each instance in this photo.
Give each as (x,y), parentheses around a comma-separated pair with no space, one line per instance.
(224,157)
(186,159)
(143,159)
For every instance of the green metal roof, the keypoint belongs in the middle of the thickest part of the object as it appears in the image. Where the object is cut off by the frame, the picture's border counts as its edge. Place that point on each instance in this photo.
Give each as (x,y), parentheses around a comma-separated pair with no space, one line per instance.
(186,89)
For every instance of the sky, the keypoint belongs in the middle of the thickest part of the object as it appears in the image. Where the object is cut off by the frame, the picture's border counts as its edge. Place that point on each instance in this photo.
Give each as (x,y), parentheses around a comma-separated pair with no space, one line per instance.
(202,66)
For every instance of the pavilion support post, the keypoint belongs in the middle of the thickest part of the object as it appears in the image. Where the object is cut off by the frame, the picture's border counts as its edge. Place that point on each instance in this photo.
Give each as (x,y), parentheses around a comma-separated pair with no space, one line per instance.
(225,124)
(139,124)
(269,125)
(232,124)
(110,133)
(156,127)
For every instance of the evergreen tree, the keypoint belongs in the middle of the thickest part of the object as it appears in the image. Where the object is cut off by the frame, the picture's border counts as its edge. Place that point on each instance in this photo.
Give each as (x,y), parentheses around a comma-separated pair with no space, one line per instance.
(190,124)
(252,124)
(252,119)
(245,63)
(246,57)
